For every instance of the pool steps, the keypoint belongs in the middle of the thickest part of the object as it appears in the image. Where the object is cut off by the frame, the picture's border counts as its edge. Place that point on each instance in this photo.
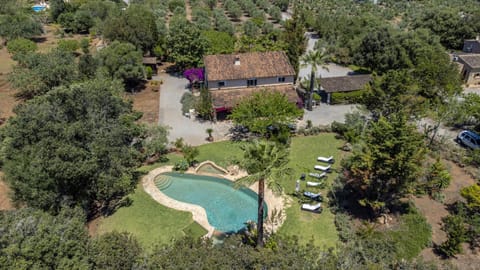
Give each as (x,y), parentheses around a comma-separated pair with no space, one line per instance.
(163,181)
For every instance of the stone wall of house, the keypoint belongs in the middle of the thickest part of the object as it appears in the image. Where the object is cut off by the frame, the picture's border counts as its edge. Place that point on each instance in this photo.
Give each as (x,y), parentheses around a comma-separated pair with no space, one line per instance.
(212,85)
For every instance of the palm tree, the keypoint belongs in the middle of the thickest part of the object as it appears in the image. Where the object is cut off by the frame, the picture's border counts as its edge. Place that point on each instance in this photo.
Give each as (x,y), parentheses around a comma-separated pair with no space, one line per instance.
(315,58)
(265,162)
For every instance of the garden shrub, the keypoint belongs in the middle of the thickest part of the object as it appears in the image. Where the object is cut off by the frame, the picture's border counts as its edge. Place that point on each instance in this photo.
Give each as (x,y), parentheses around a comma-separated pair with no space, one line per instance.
(68,45)
(347,97)
(21,46)
(149,72)
(413,235)
(174,4)
(181,165)
(188,102)
(343,223)
(456,233)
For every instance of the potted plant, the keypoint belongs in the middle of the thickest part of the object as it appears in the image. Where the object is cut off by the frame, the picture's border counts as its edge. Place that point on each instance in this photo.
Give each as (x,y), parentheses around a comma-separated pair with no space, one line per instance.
(209,132)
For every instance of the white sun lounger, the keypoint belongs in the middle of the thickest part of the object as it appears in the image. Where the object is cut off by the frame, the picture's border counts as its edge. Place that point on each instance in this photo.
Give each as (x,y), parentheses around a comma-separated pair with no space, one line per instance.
(323,168)
(314,184)
(317,208)
(326,159)
(318,175)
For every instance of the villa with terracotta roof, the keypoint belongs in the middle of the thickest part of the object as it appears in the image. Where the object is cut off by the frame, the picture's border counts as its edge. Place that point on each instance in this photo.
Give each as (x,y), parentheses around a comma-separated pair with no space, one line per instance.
(230,77)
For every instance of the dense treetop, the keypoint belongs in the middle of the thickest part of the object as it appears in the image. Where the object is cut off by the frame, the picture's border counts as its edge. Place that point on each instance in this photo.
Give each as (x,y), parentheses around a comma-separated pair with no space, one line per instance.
(72,146)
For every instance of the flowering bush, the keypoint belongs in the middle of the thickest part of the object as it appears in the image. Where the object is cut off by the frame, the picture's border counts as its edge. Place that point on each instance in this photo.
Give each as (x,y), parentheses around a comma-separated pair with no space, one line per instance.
(194,75)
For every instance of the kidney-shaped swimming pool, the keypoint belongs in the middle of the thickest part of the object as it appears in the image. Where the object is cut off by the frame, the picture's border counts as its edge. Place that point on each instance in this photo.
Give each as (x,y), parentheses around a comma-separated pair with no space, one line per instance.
(227,208)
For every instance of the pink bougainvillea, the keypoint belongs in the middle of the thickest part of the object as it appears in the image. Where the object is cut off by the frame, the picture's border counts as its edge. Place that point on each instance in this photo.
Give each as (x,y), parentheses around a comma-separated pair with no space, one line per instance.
(194,75)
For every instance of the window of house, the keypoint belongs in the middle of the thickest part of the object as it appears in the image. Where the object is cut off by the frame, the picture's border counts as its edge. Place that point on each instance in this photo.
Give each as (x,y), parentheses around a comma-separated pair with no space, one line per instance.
(251,82)
(281,79)
(476,75)
(221,84)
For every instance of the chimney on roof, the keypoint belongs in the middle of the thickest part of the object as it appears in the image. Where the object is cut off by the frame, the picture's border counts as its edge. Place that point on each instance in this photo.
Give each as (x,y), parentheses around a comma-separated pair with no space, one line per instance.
(237,60)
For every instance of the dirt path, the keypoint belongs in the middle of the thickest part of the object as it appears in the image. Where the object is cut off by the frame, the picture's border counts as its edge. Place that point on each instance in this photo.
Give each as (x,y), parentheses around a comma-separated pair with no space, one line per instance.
(188,10)
(434,212)
(5,203)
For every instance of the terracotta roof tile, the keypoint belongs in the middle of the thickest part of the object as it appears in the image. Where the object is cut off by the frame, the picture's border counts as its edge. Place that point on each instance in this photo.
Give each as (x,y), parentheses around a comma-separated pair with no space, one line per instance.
(230,97)
(222,67)
(345,83)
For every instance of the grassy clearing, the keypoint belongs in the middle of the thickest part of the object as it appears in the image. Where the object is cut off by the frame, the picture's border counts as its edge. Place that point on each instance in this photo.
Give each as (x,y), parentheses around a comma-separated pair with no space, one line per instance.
(150,221)
(154,223)
(222,153)
(305,225)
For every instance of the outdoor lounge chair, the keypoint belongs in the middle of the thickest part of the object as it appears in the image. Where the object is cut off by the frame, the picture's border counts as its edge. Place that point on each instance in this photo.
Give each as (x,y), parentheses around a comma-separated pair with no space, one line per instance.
(313,196)
(326,159)
(317,175)
(316,208)
(314,184)
(323,168)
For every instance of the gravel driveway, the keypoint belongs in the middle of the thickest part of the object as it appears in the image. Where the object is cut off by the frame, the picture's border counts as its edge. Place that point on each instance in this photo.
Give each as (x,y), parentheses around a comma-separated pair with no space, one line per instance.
(170,114)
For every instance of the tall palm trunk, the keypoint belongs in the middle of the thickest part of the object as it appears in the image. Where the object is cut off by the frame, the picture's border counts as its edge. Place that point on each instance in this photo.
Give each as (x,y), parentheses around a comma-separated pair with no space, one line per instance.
(261,195)
(310,91)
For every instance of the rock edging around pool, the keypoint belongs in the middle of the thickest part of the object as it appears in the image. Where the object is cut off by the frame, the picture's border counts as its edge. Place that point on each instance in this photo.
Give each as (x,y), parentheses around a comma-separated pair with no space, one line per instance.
(199,215)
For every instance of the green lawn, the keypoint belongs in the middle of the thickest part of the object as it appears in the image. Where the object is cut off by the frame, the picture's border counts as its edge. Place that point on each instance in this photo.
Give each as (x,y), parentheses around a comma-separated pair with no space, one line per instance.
(306,225)
(152,222)
(222,153)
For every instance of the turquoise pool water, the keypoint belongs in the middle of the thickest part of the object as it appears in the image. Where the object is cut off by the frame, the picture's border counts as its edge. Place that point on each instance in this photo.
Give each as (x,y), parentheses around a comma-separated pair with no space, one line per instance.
(38,8)
(227,208)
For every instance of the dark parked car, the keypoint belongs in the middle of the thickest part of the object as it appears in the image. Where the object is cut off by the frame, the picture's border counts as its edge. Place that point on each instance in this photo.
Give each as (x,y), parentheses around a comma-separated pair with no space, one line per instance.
(469,139)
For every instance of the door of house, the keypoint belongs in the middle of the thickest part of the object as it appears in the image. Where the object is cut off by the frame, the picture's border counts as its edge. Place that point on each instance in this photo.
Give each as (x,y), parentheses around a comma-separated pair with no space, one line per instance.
(251,82)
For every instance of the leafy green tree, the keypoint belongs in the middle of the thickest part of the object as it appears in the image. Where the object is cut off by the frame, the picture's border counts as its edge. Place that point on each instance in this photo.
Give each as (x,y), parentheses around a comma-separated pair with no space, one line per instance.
(266,163)
(67,20)
(57,7)
(87,66)
(250,29)
(380,52)
(204,106)
(21,46)
(219,42)
(37,73)
(437,76)
(115,250)
(186,46)
(276,13)
(263,109)
(121,61)
(135,25)
(83,21)
(155,140)
(315,59)
(393,92)
(448,24)
(294,37)
(383,169)
(260,43)
(211,3)
(72,145)
(19,25)
(32,239)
